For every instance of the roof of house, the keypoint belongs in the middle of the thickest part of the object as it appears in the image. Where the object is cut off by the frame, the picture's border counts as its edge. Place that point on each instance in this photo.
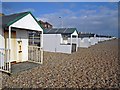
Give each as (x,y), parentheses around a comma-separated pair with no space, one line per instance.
(101,35)
(42,22)
(7,20)
(60,31)
(48,23)
(85,35)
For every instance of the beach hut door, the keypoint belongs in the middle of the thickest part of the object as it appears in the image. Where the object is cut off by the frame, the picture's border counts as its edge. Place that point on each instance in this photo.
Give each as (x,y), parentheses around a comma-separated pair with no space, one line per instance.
(74,47)
(13,44)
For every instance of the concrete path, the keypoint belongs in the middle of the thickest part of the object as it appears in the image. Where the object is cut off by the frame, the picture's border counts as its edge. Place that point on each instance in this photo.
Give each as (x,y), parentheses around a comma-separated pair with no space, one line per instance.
(19,67)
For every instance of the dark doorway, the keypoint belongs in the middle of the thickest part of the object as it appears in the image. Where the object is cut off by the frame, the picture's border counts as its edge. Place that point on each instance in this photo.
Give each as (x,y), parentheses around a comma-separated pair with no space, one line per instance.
(73,47)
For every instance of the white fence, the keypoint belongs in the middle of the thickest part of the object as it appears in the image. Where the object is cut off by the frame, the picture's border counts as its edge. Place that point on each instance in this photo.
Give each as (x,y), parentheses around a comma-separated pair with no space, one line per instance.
(35,54)
(5,60)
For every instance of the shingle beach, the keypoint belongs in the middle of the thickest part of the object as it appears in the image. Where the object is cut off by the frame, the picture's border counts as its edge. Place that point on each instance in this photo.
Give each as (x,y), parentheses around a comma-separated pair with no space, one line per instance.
(94,67)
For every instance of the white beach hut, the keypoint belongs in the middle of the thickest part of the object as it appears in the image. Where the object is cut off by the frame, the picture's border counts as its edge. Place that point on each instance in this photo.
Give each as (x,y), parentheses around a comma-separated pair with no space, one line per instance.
(14,45)
(56,40)
(102,38)
(94,40)
(84,40)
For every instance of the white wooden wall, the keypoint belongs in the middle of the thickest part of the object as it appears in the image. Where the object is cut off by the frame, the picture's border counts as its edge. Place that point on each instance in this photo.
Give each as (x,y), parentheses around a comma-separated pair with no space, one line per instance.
(52,43)
(2,39)
(24,37)
(103,39)
(74,40)
(84,43)
(1,47)
(94,40)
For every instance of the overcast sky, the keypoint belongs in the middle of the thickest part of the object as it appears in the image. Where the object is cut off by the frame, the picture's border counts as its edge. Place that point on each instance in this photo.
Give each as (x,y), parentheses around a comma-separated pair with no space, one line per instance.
(99,18)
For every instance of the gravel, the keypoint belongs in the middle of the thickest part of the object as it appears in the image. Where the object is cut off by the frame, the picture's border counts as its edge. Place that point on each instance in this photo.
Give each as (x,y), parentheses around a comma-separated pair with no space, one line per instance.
(94,67)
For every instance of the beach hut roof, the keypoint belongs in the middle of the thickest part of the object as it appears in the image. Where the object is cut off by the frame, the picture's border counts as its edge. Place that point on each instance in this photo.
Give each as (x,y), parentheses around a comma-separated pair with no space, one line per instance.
(60,31)
(8,20)
(85,35)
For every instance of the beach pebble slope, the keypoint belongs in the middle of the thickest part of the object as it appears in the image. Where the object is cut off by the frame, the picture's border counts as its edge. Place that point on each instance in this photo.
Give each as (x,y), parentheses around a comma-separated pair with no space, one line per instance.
(94,67)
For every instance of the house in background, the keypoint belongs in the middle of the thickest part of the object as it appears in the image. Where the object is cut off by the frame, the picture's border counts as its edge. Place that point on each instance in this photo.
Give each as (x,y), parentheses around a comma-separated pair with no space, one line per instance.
(56,40)
(2,14)
(45,25)
(14,39)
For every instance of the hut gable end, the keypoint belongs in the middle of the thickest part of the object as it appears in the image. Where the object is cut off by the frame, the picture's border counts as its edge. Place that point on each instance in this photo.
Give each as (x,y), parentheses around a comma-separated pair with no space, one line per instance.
(27,22)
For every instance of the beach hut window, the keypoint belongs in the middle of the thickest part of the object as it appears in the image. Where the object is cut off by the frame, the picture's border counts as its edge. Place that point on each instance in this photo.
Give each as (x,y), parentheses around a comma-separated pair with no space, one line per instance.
(34,38)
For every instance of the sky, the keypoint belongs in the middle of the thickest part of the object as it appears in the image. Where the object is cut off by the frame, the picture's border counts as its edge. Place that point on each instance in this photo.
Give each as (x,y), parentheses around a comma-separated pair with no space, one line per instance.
(93,17)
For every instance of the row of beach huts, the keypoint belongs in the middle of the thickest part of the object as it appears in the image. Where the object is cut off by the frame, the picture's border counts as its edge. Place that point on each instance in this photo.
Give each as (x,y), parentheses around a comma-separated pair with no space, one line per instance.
(22,38)
(67,40)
